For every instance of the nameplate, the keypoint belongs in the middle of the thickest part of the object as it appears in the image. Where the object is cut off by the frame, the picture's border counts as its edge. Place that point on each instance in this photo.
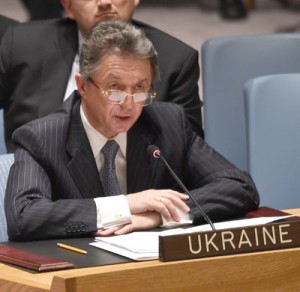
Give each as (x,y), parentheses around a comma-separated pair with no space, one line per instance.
(248,239)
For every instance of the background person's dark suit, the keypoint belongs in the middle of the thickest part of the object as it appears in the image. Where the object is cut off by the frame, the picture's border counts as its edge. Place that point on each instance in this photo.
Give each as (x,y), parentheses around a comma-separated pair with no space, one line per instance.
(5,22)
(36,60)
(54,162)
(43,9)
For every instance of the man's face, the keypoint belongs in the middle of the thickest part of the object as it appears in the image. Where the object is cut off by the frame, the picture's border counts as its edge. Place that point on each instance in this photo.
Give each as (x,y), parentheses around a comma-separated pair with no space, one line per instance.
(115,73)
(87,13)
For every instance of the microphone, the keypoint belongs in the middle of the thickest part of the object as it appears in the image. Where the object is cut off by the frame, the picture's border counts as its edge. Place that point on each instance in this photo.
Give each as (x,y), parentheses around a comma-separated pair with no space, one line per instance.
(155,152)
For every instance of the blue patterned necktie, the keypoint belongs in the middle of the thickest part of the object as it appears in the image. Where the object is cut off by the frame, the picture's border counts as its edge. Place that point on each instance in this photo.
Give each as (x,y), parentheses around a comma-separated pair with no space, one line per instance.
(109,178)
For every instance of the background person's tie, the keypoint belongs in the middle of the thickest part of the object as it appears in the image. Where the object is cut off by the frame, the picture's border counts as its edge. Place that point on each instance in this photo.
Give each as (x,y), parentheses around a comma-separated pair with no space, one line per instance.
(109,178)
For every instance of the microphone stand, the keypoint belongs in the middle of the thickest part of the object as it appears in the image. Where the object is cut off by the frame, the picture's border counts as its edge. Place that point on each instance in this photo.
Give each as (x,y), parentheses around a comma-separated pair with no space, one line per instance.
(158,155)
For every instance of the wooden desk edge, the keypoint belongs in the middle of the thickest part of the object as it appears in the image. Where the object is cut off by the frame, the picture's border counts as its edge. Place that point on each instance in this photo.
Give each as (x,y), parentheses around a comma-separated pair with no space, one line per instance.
(232,268)
(11,279)
(189,274)
(292,211)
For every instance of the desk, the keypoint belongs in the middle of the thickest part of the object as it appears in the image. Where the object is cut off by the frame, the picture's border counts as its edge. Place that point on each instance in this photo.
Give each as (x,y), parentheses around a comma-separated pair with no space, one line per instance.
(260,271)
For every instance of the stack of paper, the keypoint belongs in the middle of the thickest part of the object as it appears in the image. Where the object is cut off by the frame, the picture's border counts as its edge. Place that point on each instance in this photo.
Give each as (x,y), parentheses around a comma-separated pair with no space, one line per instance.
(143,245)
(136,245)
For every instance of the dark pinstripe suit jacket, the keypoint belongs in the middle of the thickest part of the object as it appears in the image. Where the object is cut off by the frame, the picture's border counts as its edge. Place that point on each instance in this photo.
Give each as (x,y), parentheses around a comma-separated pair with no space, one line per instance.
(36,59)
(54,177)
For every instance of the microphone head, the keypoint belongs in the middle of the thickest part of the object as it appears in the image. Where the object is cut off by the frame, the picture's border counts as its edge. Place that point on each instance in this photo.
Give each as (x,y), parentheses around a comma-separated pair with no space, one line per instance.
(153,150)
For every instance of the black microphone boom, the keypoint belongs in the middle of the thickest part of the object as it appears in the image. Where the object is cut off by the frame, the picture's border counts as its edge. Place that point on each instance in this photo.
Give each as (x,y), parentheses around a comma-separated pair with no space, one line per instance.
(155,152)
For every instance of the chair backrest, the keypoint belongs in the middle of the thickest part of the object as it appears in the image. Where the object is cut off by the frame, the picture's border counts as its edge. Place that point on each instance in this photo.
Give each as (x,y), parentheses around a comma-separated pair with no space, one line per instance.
(2,140)
(227,63)
(6,160)
(272,105)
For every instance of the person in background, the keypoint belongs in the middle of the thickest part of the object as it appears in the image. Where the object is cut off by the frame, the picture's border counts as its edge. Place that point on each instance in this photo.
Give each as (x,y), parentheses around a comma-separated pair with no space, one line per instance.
(85,171)
(38,61)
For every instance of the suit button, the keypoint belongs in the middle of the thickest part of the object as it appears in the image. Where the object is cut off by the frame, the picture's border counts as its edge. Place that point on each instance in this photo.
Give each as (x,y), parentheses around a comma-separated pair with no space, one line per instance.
(75,228)
(68,229)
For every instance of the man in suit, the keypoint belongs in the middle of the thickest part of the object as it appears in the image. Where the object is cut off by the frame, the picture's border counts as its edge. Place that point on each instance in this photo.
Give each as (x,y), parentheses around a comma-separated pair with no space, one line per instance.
(5,22)
(64,181)
(38,61)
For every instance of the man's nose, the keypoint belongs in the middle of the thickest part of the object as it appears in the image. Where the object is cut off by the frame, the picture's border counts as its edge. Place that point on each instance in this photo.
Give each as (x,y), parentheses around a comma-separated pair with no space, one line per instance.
(103,2)
(129,101)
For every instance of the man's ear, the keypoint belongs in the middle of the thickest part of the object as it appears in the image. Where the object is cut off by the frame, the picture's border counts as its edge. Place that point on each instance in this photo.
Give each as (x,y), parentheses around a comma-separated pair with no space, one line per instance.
(67,4)
(81,85)
(136,2)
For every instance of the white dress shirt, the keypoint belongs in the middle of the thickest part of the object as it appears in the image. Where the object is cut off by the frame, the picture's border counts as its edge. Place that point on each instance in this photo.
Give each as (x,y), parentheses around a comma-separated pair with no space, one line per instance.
(112,210)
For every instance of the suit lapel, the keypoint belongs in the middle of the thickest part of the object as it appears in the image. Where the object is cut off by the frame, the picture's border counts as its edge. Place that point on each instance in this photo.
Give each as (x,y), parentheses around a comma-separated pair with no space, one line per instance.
(57,66)
(82,165)
(140,166)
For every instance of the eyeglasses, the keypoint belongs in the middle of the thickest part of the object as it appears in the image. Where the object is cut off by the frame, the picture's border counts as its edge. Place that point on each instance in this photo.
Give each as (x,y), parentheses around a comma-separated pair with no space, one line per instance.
(118,96)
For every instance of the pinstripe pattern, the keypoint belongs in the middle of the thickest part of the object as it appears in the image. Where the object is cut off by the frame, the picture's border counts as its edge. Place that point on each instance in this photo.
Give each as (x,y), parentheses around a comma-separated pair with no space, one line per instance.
(55,175)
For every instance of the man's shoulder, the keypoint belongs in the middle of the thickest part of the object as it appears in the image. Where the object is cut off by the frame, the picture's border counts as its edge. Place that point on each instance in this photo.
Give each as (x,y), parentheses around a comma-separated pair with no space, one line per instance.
(162,106)
(159,37)
(51,132)
(58,118)
(47,23)
(159,111)
(5,22)
(42,28)
(31,41)
(163,117)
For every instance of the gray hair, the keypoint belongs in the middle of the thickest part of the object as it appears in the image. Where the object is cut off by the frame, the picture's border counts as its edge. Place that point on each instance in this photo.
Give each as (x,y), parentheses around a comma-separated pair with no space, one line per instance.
(115,37)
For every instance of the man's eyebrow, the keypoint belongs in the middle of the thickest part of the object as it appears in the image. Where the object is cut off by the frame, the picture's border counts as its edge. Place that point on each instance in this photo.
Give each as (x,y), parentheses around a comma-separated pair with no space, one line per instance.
(112,75)
(144,80)
(116,77)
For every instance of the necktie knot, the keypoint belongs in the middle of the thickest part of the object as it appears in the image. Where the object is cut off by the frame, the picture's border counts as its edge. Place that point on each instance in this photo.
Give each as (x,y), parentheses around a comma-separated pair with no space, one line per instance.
(109,178)
(110,150)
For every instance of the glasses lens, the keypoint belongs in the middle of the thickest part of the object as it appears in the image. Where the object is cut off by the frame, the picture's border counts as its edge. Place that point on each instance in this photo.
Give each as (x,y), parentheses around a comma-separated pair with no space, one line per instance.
(116,96)
(148,100)
(142,98)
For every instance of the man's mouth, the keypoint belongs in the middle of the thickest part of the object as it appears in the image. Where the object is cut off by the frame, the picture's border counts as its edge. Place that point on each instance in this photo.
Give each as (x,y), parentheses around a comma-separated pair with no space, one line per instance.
(123,118)
(107,14)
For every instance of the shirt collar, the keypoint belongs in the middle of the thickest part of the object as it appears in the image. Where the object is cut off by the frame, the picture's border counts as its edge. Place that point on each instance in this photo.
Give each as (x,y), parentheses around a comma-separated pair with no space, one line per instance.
(97,140)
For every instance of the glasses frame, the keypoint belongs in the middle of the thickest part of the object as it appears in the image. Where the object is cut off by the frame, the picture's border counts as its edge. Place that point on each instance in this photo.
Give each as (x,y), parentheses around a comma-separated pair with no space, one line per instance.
(151,92)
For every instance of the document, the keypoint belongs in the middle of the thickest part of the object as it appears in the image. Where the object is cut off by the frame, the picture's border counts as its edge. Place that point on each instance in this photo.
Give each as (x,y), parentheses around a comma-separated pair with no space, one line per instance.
(143,245)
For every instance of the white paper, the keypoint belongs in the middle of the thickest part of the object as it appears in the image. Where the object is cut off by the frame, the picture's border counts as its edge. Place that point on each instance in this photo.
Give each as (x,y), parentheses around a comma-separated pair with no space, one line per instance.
(185,219)
(143,245)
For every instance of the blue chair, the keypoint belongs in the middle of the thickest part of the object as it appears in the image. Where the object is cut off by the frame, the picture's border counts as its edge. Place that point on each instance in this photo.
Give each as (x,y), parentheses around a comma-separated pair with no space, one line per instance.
(272,105)
(227,63)
(6,161)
